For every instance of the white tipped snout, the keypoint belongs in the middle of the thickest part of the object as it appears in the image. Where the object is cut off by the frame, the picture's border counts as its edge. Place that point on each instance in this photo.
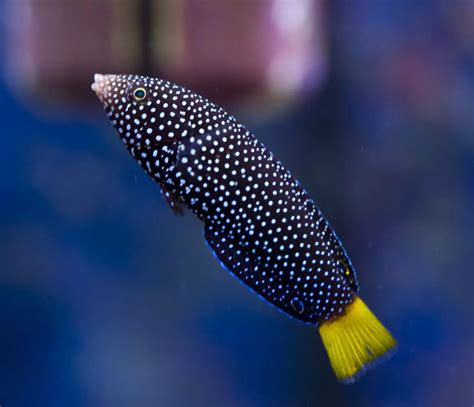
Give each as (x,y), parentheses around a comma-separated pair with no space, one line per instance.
(98,77)
(98,84)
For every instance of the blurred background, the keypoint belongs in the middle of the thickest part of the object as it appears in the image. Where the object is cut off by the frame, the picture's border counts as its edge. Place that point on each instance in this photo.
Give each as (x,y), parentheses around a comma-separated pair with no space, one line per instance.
(108,299)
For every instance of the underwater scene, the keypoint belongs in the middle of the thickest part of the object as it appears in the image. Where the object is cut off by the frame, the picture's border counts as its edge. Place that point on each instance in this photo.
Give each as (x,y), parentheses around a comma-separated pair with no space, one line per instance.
(236,203)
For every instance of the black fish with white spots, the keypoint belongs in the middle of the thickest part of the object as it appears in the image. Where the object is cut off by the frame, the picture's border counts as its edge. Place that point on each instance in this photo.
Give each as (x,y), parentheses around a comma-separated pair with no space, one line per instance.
(258,220)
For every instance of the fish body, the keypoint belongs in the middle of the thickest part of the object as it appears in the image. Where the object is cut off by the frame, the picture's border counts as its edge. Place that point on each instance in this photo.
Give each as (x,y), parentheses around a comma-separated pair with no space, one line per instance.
(258,219)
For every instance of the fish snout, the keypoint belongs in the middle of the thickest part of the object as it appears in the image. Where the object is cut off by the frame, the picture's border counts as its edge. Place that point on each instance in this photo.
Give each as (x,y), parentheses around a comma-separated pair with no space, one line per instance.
(99,86)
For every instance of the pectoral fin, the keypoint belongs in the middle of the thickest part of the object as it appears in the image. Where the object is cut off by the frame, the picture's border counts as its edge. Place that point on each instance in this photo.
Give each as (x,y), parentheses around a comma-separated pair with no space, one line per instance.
(174,202)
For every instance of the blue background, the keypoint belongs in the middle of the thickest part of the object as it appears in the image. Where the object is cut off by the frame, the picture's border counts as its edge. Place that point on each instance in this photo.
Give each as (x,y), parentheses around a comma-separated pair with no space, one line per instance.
(106,298)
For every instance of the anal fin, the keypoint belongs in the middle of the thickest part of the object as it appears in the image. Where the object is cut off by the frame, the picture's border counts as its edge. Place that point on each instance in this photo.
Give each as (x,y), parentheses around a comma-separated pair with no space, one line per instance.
(229,253)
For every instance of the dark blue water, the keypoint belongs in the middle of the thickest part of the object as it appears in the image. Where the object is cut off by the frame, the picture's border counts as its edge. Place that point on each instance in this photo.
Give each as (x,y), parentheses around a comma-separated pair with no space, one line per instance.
(107,298)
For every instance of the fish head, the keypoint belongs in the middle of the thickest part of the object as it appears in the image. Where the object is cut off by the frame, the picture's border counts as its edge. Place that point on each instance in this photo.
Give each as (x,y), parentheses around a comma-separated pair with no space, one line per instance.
(147,112)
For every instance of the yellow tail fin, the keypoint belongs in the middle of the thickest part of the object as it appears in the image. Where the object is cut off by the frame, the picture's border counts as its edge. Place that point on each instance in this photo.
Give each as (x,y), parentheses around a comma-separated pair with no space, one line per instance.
(355,342)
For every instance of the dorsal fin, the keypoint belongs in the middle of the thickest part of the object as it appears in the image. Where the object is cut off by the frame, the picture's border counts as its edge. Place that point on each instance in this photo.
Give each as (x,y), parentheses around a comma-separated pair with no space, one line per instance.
(347,270)
(345,265)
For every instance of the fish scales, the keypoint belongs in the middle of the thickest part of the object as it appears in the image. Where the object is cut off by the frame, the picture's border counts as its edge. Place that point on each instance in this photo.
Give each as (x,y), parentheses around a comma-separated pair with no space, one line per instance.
(259,221)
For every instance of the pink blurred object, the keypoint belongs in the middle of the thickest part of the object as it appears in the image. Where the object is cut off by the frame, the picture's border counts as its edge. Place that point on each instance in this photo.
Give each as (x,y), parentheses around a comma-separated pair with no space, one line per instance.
(234,48)
(229,50)
(55,46)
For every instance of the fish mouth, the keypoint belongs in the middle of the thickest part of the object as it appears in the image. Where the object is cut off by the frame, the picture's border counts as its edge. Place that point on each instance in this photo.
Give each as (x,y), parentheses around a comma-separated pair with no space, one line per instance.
(98,86)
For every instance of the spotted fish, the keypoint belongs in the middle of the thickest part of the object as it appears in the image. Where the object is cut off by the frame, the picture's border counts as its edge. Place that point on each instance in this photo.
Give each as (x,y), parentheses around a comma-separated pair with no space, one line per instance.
(258,219)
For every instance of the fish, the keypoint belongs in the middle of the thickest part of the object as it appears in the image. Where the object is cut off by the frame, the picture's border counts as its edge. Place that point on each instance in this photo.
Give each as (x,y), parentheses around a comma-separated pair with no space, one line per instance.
(258,220)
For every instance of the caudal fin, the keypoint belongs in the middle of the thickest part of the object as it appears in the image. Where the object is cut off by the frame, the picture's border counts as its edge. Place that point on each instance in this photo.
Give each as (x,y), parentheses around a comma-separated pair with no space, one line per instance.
(356,341)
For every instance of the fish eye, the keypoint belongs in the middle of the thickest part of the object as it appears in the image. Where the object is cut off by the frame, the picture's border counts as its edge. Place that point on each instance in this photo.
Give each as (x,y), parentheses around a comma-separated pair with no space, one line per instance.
(139,94)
